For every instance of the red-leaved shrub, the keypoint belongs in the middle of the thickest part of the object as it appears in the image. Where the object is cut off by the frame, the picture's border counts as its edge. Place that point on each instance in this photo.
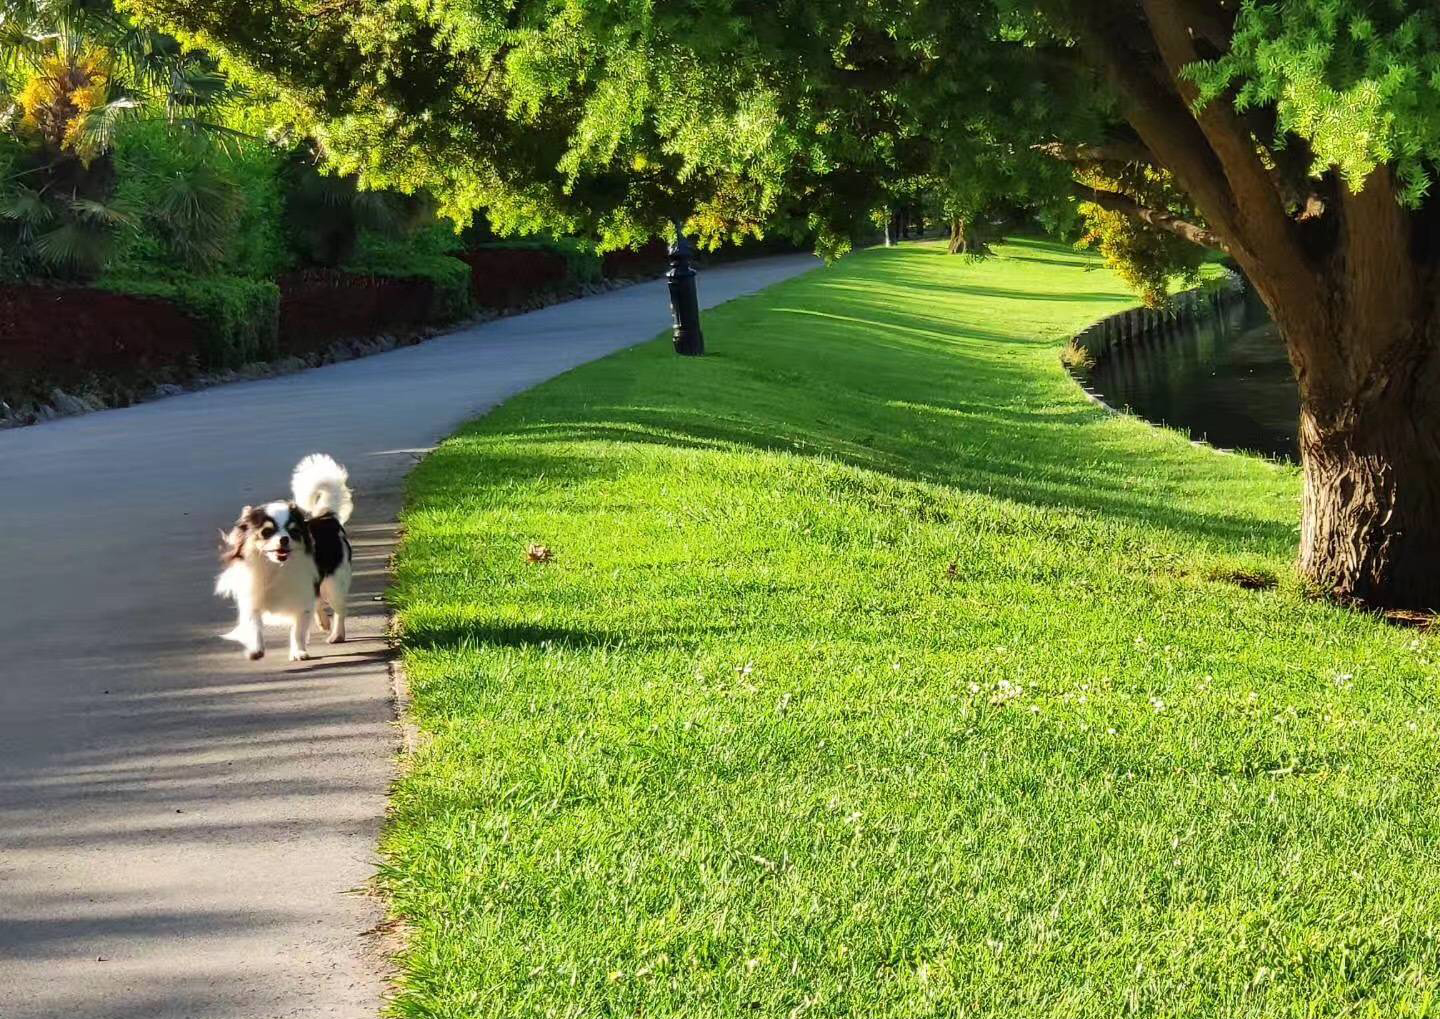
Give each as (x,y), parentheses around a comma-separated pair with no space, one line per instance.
(651,260)
(505,277)
(319,307)
(77,339)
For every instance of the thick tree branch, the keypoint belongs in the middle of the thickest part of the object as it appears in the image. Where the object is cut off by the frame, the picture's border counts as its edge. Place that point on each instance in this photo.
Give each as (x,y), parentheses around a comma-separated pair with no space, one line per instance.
(1158,218)
(1212,22)
(1156,113)
(1268,233)
(1105,152)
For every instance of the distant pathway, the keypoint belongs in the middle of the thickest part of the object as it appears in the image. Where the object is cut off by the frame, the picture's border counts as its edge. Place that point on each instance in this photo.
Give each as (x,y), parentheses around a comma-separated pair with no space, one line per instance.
(184,834)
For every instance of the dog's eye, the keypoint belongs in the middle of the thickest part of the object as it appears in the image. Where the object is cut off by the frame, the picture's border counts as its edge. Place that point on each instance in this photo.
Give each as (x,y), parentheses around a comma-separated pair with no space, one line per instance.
(266,531)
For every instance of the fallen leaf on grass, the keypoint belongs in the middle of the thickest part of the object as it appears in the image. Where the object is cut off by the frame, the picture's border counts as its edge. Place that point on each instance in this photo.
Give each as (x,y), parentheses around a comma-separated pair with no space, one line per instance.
(539,554)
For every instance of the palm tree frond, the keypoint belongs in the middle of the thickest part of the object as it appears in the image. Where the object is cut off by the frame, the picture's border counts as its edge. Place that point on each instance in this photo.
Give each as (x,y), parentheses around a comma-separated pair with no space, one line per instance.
(26,207)
(73,247)
(96,213)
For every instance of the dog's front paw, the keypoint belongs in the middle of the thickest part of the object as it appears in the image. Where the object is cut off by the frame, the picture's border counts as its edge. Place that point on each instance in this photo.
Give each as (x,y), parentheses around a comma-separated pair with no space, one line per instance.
(299,656)
(255,655)
(335,638)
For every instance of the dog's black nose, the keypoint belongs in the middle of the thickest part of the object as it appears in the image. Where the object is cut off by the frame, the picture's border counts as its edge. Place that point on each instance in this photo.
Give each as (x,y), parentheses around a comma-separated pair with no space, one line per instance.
(284,540)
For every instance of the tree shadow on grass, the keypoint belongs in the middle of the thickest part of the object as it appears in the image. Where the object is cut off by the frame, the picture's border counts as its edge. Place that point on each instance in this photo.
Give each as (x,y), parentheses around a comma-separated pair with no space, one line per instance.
(432,636)
(966,404)
(488,632)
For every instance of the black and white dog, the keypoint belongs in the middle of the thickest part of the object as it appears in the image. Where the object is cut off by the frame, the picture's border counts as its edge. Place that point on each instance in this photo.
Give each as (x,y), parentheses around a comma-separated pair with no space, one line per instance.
(284,559)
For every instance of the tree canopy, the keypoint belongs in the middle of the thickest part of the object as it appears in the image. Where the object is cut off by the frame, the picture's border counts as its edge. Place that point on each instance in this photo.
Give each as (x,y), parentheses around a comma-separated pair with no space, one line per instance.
(1297,136)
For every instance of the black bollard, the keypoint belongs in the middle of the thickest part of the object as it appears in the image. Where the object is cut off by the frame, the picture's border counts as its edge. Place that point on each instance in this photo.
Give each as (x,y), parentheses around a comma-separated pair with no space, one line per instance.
(684,301)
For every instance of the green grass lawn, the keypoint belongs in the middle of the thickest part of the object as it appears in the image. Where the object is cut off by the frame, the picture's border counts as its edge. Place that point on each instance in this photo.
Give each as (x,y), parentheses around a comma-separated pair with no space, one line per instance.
(878,673)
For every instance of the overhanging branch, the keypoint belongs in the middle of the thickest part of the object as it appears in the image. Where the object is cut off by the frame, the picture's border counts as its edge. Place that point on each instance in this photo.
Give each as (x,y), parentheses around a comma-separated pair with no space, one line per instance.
(1106,152)
(1158,218)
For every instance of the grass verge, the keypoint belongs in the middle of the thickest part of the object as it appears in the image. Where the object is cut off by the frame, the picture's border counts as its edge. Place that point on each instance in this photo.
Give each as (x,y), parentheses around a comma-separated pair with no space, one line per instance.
(876,672)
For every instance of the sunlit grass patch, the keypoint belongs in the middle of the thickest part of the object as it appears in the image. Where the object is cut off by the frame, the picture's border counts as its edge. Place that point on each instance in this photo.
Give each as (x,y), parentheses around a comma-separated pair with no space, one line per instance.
(873,671)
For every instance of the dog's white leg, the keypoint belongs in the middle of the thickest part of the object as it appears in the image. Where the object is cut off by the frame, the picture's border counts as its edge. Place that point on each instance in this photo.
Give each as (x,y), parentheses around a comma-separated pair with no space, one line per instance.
(336,592)
(251,635)
(320,623)
(300,637)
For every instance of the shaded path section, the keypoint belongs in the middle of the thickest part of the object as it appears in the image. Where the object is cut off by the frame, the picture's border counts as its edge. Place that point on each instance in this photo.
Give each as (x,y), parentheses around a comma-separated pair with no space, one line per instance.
(184,833)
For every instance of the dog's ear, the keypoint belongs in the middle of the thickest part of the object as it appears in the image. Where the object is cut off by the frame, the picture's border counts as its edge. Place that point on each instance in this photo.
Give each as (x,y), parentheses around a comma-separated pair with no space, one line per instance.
(232,542)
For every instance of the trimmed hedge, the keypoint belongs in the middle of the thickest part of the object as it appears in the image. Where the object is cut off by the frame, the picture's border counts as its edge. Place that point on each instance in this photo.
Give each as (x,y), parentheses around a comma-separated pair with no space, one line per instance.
(239,318)
(581,263)
(650,259)
(320,307)
(449,278)
(83,340)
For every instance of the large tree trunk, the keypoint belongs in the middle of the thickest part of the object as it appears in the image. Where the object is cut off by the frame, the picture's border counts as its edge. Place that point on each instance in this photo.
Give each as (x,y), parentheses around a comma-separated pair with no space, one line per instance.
(1350,277)
(1370,525)
(957,236)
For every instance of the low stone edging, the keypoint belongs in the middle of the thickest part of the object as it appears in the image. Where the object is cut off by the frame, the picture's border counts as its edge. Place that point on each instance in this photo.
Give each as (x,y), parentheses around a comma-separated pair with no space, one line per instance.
(1098,340)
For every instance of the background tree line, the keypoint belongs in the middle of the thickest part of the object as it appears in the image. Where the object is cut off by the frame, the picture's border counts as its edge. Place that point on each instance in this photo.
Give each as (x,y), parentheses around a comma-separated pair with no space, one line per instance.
(1297,136)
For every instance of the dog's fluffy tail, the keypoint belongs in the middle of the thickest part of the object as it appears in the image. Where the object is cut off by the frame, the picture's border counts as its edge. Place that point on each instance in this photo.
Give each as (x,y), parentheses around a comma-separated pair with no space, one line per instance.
(320,487)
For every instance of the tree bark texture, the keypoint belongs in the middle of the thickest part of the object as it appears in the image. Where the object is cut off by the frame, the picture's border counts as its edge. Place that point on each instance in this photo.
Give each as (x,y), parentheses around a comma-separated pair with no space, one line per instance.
(1350,278)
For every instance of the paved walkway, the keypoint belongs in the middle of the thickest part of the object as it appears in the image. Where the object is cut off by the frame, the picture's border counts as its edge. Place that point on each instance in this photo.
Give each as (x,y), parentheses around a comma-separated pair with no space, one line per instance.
(184,833)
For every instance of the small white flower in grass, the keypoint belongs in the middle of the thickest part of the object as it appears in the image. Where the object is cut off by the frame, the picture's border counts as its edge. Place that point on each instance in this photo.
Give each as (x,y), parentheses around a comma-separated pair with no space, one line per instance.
(974,687)
(751,965)
(1344,678)
(1157,704)
(1254,696)
(1006,691)
(1034,709)
(895,666)
(745,669)
(1111,730)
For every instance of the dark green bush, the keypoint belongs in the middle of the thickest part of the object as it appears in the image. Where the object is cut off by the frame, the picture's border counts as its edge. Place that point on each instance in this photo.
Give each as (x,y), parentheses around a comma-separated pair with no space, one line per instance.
(418,255)
(241,316)
(199,207)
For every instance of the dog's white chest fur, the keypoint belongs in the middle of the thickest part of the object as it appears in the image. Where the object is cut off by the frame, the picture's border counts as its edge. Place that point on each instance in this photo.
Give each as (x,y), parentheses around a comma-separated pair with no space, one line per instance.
(279,592)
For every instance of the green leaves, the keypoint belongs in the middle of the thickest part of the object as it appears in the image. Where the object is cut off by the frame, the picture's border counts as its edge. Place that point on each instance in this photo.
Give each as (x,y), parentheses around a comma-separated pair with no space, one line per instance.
(197,210)
(1359,81)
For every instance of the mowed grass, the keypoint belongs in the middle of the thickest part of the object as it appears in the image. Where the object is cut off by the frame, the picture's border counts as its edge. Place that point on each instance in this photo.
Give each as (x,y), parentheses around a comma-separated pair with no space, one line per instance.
(877,673)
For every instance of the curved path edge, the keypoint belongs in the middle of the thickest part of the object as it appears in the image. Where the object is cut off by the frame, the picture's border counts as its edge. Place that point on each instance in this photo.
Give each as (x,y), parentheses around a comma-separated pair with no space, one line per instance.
(184,833)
